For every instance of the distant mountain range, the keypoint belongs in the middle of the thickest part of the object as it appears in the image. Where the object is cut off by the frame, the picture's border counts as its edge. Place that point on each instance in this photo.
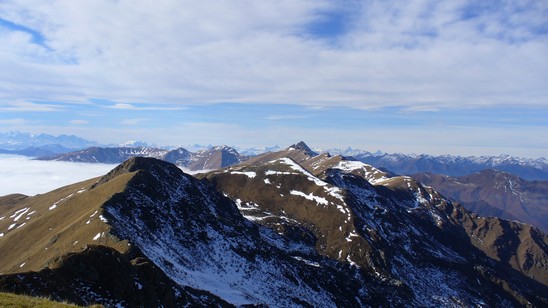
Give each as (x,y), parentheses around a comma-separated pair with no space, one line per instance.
(530,169)
(44,145)
(17,141)
(495,193)
(214,158)
(291,228)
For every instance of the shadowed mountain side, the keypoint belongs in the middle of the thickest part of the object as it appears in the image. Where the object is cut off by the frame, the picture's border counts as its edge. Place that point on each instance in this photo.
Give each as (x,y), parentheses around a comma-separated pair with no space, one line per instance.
(496,193)
(100,274)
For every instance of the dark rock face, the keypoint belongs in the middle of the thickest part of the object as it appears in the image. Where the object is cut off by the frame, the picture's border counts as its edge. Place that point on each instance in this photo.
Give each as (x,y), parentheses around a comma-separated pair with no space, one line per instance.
(101,275)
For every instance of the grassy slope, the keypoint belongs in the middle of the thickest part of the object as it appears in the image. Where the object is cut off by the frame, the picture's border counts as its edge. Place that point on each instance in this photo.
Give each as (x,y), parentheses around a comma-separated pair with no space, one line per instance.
(14,300)
(48,234)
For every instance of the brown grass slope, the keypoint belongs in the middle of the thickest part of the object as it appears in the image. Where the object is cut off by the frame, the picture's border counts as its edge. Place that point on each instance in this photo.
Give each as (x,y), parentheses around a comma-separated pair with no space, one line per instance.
(21,301)
(40,228)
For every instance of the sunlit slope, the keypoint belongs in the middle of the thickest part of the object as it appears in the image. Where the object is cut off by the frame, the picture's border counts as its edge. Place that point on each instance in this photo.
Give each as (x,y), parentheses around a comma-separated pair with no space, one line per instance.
(37,229)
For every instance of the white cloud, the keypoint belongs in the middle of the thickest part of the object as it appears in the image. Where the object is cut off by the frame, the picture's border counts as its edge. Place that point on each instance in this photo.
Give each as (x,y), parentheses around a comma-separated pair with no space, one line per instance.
(22,175)
(399,53)
(79,122)
(286,117)
(125,106)
(131,121)
(26,106)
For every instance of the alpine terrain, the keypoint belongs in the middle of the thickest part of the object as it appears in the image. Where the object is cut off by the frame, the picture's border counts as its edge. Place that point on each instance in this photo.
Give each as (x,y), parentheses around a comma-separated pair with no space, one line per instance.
(213,158)
(495,193)
(286,228)
(529,169)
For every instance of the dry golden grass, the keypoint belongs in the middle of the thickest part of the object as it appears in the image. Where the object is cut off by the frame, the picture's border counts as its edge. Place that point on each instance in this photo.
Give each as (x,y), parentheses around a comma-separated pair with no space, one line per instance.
(48,234)
(23,301)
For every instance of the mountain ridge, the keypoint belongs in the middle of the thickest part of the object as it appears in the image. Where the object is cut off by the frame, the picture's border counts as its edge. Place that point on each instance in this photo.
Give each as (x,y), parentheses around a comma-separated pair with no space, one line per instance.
(284,228)
(18,141)
(216,157)
(44,145)
(530,169)
(262,201)
(495,193)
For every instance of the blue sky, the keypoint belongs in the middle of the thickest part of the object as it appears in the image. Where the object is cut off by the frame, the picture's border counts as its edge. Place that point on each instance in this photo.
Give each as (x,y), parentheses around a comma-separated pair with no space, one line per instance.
(438,77)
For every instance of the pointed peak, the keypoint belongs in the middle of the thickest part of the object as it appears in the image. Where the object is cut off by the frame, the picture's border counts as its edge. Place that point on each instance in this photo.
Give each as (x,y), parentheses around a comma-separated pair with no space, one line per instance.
(225,148)
(303,147)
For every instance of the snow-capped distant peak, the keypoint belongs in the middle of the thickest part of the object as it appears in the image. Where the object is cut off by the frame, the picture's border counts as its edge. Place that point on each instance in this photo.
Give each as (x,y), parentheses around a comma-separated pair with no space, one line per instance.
(134,143)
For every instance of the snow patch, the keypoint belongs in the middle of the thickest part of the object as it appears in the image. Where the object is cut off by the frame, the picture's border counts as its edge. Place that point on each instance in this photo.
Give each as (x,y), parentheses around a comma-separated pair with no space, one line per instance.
(307,262)
(311,197)
(19,213)
(371,174)
(249,174)
(57,203)
(96,237)
(272,172)
(352,263)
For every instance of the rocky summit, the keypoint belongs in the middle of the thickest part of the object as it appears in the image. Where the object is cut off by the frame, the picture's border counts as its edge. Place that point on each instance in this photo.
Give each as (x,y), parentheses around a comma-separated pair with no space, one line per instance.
(286,228)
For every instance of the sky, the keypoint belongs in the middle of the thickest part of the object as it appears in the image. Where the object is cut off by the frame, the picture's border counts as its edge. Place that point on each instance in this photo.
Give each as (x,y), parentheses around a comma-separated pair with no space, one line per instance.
(438,77)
